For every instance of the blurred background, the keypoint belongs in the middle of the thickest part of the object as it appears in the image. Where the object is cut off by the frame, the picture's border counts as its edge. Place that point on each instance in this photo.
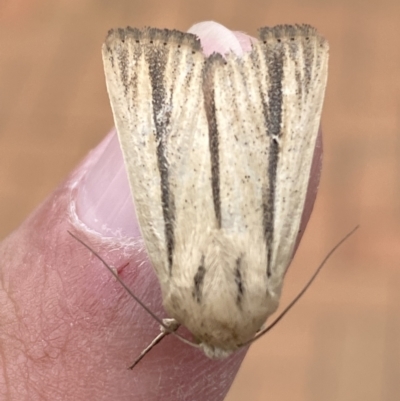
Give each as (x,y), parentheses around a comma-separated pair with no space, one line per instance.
(342,340)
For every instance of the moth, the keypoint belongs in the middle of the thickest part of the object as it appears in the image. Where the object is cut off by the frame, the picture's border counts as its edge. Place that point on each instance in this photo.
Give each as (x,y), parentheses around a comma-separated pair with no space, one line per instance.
(218,152)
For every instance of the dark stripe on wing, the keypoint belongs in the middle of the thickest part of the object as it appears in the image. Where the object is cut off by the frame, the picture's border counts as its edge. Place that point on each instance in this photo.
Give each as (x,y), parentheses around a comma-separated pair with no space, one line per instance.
(157,57)
(272,108)
(239,283)
(198,281)
(210,108)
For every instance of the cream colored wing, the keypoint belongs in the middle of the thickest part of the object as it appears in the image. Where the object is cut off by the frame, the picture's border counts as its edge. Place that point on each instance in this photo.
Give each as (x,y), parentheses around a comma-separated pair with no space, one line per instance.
(154,82)
(269,105)
(296,58)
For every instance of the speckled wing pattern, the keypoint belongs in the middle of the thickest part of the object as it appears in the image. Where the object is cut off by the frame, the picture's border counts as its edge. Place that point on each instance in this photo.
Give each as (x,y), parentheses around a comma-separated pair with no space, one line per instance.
(218,152)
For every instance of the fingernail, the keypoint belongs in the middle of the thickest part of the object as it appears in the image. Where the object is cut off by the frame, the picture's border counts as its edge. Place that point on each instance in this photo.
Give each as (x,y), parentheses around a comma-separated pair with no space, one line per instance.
(217,38)
(103,200)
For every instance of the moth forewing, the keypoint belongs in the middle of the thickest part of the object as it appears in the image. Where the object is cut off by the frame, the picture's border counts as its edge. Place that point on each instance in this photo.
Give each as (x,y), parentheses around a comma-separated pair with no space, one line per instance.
(127,80)
(237,128)
(299,57)
(218,152)
(149,115)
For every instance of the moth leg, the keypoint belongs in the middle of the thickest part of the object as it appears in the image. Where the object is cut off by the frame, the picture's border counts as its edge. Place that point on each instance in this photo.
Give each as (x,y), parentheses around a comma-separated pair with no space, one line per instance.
(170,325)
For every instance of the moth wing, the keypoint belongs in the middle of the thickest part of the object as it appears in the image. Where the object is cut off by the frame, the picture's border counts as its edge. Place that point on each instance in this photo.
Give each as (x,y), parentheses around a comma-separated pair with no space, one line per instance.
(304,54)
(154,83)
(268,105)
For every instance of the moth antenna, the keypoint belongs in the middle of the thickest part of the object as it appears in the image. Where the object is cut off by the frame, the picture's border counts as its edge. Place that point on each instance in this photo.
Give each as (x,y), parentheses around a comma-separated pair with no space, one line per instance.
(305,288)
(167,328)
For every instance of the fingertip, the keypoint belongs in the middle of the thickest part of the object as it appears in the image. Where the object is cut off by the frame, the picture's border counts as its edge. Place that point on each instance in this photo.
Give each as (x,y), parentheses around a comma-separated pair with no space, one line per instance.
(101,200)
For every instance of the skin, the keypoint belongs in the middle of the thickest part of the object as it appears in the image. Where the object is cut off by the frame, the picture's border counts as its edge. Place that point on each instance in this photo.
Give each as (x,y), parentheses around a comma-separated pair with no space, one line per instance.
(68,329)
